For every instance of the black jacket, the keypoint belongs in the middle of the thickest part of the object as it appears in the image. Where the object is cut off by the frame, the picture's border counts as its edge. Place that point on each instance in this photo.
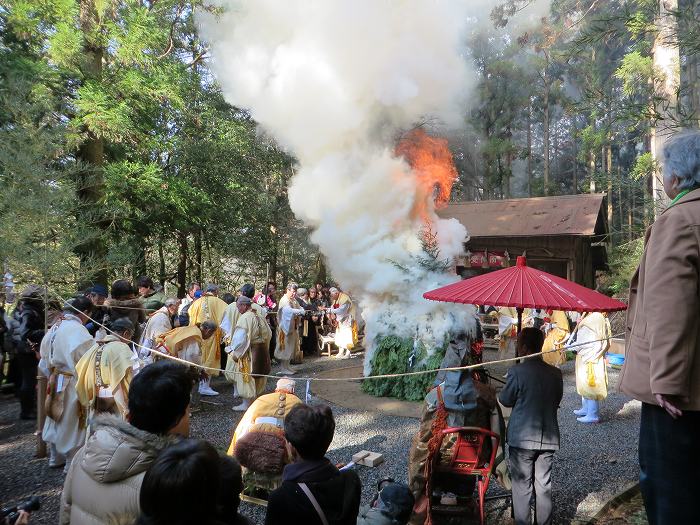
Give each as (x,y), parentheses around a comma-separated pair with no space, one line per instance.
(338,493)
(534,389)
(27,320)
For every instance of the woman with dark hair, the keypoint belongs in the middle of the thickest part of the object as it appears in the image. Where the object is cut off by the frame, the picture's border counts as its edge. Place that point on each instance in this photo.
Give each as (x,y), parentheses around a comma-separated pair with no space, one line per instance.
(181,487)
(124,303)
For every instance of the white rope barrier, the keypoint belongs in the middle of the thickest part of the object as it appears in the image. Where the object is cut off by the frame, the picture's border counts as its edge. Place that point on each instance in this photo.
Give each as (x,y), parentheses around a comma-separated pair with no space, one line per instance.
(340,379)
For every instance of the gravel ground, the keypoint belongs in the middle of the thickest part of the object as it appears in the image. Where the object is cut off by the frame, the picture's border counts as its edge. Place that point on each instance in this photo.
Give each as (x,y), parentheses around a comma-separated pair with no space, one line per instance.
(595,461)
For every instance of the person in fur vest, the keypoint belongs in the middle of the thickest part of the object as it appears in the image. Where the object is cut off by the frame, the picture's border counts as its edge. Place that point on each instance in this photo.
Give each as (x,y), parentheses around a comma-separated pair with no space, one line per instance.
(258,441)
(104,479)
(124,303)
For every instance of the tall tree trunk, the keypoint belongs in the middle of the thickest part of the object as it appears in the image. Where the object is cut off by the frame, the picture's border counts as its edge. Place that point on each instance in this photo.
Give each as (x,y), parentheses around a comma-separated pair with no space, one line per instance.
(591,171)
(545,134)
(620,201)
(90,188)
(141,268)
(666,61)
(575,163)
(529,148)
(630,213)
(182,264)
(508,172)
(689,79)
(198,256)
(608,171)
(321,271)
(273,262)
(161,262)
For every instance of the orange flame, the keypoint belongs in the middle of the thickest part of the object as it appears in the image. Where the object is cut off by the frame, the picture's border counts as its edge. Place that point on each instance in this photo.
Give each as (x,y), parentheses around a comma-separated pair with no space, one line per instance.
(431,161)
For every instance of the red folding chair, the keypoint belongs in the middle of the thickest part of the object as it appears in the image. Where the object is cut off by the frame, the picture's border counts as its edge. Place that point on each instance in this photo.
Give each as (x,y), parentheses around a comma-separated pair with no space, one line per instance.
(473,455)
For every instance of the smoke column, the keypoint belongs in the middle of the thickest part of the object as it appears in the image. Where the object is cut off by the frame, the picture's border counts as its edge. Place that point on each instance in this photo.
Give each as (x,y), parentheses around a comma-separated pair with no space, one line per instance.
(337,82)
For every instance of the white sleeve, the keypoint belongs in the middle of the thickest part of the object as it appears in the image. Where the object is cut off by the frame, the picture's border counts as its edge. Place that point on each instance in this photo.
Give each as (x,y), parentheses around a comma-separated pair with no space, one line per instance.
(239,340)
(341,310)
(288,311)
(226,327)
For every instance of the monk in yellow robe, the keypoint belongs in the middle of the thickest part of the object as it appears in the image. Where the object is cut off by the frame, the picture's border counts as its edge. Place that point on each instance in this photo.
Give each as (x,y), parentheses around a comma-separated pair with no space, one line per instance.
(248,353)
(104,373)
(508,329)
(557,332)
(258,441)
(209,308)
(592,342)
(288,342)
(346,332)
(186,342)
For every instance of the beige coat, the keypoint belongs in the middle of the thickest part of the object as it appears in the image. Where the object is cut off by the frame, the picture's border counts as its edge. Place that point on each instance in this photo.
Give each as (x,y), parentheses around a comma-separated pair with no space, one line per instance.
(104,479)
(663,331)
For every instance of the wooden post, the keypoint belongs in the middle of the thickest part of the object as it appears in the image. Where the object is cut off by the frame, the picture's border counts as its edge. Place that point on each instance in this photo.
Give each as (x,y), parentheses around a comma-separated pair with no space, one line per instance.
(41,383)
(40,415)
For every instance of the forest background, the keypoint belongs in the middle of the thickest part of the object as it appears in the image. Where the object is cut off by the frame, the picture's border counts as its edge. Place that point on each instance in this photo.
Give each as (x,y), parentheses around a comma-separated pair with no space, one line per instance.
(119,156)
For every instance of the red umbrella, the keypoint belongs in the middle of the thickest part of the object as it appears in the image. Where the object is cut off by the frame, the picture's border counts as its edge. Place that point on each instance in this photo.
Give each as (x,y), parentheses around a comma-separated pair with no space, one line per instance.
(524,287)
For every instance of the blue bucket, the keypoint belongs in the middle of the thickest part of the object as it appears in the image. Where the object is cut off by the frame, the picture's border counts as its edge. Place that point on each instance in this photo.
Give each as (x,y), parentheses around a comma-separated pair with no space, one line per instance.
(616,359)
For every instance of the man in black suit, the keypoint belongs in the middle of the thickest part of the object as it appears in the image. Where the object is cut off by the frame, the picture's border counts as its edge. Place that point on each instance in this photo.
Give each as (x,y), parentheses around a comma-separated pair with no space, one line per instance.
(534,389)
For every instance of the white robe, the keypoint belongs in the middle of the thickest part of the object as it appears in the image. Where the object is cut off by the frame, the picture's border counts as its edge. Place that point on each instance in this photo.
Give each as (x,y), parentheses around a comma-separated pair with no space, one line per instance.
(61,349)
(286,345)
(157,324)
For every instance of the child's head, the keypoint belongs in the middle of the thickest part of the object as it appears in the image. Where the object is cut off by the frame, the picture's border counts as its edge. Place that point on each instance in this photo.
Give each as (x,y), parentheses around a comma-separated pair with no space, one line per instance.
(230,488)
(530,341)
(181,486)
(309,429)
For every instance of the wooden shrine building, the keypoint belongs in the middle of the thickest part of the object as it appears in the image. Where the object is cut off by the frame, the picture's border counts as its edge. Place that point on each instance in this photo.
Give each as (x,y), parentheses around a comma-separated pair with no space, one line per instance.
(566,235)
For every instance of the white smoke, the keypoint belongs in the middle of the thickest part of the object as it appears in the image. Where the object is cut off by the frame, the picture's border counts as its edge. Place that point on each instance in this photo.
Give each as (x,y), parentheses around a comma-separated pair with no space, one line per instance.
(336,82)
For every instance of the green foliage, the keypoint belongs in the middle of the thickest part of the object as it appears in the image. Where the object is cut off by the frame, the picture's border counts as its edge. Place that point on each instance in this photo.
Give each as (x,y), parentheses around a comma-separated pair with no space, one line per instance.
(392,357)
(644,167)
(108,111)
(624,260)
(635,71)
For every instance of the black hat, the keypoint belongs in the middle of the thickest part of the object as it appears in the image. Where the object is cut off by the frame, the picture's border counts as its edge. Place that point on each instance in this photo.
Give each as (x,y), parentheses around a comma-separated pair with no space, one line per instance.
(248,290)
(397,501)
(122,324)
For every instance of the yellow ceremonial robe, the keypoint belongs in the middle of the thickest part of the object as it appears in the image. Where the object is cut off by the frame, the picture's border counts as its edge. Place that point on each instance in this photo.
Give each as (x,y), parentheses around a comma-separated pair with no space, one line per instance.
(231,316)
(209,308)
(346,334)
(288,341)
(115,371)
(173,340)
(275,404)
(591,371)
(258,334)
(508,328)
(556,337)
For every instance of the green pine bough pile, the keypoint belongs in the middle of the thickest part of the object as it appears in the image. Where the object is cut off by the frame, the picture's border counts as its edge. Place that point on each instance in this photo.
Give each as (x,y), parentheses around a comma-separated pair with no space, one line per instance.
(392,357)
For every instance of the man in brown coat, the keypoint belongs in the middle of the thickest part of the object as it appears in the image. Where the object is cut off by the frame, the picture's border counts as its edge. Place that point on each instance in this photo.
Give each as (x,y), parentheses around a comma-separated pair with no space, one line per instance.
(662,366)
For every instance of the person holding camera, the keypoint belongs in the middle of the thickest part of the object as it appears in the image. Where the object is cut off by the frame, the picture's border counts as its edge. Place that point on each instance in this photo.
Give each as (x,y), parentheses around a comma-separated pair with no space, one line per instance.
(19,514)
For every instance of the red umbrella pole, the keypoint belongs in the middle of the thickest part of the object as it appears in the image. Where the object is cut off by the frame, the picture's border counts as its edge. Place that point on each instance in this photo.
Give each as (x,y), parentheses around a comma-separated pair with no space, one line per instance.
(520,318)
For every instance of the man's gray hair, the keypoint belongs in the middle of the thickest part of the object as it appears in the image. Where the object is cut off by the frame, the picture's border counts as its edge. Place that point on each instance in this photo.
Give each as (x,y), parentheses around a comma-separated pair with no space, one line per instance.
(212,288)
(208,325)
(172,301)
(681,157)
